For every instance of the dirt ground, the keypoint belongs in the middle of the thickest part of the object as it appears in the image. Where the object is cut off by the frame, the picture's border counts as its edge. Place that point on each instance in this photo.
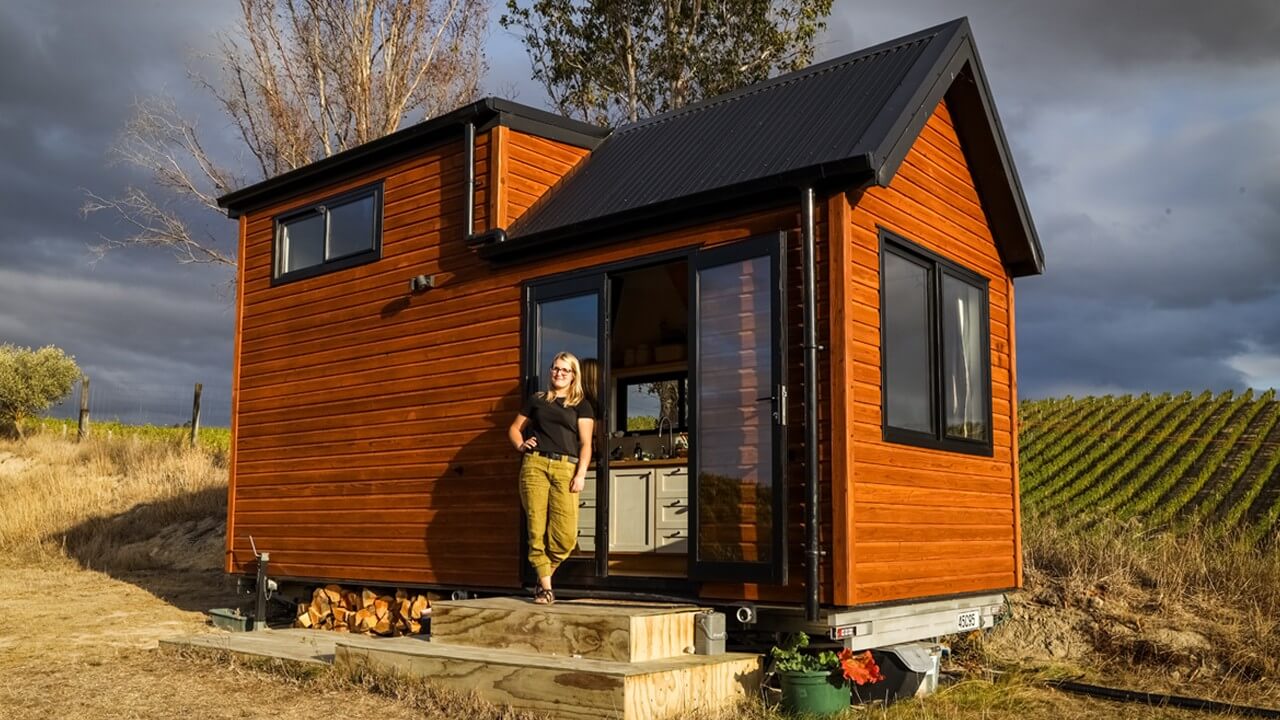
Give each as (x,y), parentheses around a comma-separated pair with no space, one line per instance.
(77,643)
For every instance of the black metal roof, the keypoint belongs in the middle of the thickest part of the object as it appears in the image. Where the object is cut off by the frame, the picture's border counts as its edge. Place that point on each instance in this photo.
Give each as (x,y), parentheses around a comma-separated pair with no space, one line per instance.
(847,121)
(484,113)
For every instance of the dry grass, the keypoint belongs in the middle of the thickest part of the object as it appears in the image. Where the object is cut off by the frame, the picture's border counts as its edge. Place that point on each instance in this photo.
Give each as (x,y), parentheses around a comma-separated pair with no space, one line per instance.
(1184,613)
(103,500)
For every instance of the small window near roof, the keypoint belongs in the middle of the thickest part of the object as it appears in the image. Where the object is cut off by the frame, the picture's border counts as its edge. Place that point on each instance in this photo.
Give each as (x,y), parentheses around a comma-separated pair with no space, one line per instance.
(339,232)
(936,362)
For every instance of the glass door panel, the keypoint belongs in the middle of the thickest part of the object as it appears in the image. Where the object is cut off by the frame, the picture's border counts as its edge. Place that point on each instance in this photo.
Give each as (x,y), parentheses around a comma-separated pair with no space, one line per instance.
(566,317)
(738,520)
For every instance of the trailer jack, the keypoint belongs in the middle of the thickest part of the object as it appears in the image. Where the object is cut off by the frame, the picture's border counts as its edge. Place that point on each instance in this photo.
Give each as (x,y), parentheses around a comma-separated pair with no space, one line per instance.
(264,587)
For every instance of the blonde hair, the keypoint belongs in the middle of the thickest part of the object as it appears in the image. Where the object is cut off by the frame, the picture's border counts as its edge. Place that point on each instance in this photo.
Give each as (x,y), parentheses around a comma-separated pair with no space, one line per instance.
(575,386)
(591,381)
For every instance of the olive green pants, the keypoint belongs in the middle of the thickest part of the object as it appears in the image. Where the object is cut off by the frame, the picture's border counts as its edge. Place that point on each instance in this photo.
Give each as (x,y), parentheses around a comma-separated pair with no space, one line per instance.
(551,510)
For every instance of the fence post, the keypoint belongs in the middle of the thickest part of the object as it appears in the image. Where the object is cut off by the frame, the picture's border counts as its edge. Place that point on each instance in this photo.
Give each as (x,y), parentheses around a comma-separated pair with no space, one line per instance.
(195,415)
(84,409)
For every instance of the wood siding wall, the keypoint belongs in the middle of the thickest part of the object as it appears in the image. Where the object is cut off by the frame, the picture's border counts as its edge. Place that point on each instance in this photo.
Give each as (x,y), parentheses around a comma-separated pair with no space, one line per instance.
(534,164)
(913,522)
(370,439)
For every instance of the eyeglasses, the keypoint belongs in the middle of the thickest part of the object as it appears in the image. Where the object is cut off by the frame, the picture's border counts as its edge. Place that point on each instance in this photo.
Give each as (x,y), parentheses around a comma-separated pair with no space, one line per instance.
(561,371)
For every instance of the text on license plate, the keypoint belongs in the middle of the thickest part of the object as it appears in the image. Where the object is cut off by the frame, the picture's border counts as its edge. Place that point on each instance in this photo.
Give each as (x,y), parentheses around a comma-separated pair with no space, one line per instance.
(969,620)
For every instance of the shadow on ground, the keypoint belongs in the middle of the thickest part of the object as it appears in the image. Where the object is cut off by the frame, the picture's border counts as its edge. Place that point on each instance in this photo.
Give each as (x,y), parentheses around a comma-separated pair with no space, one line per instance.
(171,548)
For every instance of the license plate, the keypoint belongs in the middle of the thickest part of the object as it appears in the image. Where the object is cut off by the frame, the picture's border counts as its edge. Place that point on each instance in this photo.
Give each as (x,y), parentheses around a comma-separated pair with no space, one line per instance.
(969,620)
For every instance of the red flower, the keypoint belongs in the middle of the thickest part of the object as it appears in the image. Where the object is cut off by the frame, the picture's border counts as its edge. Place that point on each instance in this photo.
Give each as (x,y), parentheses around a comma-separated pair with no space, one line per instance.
(860,668)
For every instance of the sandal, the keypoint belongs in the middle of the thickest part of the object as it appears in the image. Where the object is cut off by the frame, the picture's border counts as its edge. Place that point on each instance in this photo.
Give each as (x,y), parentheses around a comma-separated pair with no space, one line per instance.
(544,596)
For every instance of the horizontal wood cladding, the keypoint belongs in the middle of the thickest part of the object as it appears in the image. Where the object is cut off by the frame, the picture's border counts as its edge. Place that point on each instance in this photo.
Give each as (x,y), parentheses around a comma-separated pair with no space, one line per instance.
(370,423)
(919,522)
(533,165)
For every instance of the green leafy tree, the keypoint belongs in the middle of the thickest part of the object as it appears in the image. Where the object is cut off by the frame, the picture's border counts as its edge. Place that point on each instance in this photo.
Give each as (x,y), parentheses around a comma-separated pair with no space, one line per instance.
(613,61)
(31,381)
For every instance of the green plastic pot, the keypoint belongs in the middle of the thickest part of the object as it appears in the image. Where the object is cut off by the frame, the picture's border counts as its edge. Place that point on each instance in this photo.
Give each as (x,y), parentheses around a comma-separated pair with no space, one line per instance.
(814,693)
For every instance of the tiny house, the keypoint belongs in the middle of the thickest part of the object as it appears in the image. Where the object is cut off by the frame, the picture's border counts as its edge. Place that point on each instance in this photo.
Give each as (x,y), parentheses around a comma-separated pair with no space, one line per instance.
(795,303)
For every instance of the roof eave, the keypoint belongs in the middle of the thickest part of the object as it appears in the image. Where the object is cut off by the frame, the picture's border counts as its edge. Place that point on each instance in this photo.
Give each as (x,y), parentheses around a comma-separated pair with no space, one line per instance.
(402,143)
(723,202)
(954,62)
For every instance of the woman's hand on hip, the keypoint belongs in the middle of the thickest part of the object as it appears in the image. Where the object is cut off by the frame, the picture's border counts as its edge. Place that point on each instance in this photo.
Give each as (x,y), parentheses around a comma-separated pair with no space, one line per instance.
(527,445)
(578,482)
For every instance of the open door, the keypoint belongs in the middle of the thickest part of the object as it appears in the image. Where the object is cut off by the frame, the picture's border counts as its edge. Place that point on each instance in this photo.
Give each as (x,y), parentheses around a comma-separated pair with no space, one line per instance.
(568,316)
(738,517)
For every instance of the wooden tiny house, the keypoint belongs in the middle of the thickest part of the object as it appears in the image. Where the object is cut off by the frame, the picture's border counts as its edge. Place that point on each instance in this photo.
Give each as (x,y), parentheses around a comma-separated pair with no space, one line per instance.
(681,255)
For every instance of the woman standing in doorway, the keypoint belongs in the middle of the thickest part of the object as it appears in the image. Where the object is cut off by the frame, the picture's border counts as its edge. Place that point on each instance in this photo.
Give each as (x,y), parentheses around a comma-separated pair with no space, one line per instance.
(554,431)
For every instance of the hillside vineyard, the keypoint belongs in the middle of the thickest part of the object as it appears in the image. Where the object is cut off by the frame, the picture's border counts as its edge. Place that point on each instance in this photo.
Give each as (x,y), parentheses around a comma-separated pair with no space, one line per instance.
(1208,463)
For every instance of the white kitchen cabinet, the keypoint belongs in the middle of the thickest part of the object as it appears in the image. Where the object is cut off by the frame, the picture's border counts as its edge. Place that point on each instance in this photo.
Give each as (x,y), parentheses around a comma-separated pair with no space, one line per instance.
(631,509)
(671,517)
(648,511)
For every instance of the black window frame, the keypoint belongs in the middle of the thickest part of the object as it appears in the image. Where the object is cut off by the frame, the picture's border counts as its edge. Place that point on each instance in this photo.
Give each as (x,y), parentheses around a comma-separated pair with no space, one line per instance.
(939,266)
(339,263)
(682,402)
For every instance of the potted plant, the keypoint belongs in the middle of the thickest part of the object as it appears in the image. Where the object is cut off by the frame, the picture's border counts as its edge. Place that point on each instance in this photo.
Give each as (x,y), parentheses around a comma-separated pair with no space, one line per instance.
(820,683)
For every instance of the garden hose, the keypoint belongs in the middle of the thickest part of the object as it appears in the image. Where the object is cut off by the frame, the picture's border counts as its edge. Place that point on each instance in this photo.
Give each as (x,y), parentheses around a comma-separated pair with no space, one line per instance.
(1160,700)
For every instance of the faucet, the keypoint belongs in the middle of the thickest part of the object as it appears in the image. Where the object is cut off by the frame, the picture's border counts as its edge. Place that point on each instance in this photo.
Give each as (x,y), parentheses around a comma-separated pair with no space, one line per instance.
(671,436)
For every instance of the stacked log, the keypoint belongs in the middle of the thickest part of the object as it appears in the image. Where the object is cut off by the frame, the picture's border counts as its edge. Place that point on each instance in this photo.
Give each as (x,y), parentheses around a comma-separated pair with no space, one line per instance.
(334,608)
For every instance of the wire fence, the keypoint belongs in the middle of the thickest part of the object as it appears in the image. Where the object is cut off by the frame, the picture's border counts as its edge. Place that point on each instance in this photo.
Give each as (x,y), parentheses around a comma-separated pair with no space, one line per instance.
(160,404)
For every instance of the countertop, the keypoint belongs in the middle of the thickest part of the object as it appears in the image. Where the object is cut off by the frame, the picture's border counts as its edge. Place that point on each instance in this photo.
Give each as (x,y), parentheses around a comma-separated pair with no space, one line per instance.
(665,462)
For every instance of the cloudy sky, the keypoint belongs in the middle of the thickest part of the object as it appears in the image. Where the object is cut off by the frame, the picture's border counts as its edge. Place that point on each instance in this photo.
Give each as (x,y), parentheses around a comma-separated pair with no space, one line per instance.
(1147,135)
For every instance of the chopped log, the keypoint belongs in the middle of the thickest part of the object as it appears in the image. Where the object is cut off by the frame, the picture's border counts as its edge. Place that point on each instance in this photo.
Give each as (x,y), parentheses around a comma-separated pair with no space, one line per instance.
(334,593)
(382,605)
(415,627)
(418,607)
(304,617)
(364,620)
(351,600)
(315,617)
(340,616)
(320,602)
(367,597)
(383,626)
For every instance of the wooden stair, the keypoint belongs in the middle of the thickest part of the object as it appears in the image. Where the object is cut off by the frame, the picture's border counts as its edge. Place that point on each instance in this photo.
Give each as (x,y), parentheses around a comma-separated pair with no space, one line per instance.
(579,659)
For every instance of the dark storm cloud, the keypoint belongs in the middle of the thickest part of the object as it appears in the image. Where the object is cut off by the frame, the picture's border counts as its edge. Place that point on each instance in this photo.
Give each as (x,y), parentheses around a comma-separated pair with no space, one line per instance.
(138,323)
(1147,137)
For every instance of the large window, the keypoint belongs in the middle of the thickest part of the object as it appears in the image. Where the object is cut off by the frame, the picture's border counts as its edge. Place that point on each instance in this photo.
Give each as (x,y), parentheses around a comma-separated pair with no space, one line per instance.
(336,233)
(935,345)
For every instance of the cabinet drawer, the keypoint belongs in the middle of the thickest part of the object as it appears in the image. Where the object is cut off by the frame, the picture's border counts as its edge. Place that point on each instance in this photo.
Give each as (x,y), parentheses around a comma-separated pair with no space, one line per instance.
(586,540)
(673,482)
(672,541)
(673,514)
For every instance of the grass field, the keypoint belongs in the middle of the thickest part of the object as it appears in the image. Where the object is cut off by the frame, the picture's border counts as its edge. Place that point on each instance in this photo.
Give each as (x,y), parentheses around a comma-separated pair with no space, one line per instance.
(110,544)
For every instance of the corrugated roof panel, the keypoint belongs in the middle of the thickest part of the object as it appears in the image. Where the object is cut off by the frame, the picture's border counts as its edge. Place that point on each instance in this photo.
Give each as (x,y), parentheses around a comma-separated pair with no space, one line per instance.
(816,116)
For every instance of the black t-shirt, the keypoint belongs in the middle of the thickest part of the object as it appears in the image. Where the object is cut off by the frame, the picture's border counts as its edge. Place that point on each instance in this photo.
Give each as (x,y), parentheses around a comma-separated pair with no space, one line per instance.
(554,425)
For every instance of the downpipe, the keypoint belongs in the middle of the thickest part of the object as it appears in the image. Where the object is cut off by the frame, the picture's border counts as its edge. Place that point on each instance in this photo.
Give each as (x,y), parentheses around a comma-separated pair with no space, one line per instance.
(813,551)
(469,204)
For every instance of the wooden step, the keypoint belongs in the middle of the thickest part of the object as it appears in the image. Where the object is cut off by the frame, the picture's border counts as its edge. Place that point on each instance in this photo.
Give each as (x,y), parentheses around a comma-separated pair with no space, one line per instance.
(567,687)
(314,647)
(622,632)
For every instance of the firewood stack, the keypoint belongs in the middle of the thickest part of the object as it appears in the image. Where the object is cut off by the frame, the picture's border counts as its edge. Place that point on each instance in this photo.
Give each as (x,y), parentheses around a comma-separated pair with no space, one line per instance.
(333,608)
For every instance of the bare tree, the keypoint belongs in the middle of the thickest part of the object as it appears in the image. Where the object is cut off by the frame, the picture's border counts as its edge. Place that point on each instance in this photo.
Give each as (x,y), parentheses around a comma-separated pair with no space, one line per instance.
(300,80)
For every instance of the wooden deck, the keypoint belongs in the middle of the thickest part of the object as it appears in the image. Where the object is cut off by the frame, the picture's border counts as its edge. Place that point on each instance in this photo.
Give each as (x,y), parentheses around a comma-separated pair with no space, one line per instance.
(579,659)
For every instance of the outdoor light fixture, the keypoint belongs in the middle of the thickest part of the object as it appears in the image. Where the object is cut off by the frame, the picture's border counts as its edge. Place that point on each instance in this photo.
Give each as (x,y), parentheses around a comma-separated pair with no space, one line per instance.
(421,282)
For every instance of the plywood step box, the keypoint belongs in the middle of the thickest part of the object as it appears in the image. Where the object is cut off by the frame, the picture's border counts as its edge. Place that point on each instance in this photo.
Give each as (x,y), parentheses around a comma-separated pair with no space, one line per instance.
(581,659)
